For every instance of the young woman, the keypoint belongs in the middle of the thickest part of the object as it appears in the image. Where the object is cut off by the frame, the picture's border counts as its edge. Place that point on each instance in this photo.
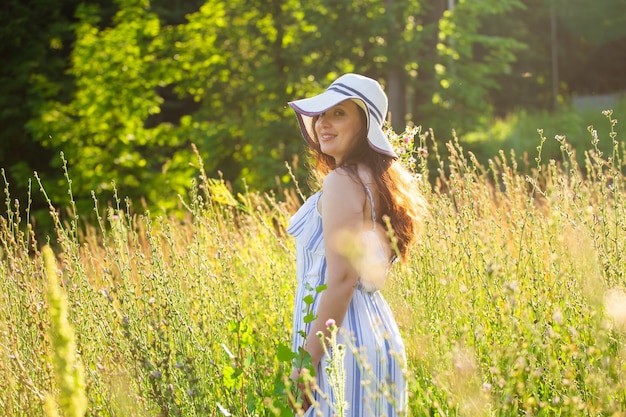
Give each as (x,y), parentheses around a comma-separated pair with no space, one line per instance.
(343,242)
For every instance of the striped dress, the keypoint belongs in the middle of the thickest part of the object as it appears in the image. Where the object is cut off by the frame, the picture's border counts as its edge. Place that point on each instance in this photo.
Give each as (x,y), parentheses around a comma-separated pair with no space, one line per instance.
(374,360)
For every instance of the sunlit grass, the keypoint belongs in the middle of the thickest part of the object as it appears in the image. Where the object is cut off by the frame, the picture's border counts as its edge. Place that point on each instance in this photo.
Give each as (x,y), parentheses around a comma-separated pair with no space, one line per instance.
(512,303)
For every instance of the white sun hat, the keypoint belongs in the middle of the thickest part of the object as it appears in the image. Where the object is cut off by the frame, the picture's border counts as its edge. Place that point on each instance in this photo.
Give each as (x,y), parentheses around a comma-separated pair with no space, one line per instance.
(366,92)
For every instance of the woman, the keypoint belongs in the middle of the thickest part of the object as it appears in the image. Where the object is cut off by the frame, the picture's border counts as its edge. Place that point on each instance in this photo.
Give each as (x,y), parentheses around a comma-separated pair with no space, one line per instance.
(343,243)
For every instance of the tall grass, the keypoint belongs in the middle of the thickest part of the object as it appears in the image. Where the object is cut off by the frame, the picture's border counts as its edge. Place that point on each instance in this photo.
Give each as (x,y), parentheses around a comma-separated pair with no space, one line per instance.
(69,372)
(513,302)
(505,298)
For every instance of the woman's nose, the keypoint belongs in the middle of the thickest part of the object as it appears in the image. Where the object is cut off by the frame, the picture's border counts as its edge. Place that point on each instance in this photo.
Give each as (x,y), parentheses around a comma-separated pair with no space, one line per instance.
(322,120)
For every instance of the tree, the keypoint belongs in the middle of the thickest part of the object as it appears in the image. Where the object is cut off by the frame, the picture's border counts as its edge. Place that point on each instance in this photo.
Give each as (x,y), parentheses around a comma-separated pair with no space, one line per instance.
(36,40)
(100,131)
(468,60)
(223,75)
(147,86)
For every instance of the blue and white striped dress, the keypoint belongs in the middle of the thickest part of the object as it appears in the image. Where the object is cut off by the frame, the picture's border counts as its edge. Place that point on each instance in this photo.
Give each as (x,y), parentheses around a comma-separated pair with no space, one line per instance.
(375,384)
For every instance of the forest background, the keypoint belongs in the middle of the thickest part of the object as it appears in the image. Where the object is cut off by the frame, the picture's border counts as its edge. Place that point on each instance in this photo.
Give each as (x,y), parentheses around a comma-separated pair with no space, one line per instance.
(119,90)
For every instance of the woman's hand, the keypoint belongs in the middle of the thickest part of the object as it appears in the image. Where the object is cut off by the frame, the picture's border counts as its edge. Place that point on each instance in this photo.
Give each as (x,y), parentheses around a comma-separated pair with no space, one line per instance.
(302,379)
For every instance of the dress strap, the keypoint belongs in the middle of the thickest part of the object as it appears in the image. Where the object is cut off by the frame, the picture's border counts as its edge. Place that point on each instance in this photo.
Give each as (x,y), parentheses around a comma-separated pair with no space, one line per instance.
(369,194)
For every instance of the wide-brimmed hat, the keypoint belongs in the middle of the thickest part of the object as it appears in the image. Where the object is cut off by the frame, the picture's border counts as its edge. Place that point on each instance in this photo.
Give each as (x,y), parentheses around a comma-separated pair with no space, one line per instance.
(365,91)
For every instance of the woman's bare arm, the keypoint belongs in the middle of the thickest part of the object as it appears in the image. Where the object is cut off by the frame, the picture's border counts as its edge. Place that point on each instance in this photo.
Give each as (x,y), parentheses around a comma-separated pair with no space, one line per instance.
(342,212)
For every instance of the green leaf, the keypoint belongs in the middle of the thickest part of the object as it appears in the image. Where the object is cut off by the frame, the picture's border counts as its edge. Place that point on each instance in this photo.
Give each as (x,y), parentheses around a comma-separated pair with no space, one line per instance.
(304,360)
(230,376)
(308,300)
(320,288)
(309,317)
(284,353)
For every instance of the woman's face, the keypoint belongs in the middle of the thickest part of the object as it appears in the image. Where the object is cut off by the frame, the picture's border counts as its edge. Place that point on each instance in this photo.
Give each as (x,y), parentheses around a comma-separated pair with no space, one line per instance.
(340,129)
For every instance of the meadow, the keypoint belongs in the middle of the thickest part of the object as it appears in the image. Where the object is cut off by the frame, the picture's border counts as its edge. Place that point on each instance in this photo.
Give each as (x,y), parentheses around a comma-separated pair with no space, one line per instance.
(513,302)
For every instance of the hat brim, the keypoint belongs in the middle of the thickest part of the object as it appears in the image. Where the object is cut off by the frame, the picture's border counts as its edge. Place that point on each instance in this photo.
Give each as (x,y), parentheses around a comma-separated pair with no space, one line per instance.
(308,108)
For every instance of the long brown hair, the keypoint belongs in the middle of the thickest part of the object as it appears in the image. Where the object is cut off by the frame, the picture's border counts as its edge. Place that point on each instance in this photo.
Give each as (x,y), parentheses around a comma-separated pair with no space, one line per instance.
(400,200)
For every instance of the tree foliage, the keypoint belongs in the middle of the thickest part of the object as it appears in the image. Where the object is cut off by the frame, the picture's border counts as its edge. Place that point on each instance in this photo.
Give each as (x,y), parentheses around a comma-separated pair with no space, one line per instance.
(137,82)
(467,61)
(35,42)
(117,71)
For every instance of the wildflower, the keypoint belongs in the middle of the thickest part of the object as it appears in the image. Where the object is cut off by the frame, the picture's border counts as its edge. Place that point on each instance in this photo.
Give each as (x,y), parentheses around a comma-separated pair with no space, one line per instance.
(330,322)
(595,140)
(423,152)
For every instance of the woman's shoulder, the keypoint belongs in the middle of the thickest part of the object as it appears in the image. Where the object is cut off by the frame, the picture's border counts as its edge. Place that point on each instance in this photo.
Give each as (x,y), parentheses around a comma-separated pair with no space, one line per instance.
(343,187)
(342,178)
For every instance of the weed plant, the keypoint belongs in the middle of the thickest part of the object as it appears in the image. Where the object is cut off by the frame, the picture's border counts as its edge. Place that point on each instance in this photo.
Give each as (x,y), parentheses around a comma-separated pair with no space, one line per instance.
(512,303)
